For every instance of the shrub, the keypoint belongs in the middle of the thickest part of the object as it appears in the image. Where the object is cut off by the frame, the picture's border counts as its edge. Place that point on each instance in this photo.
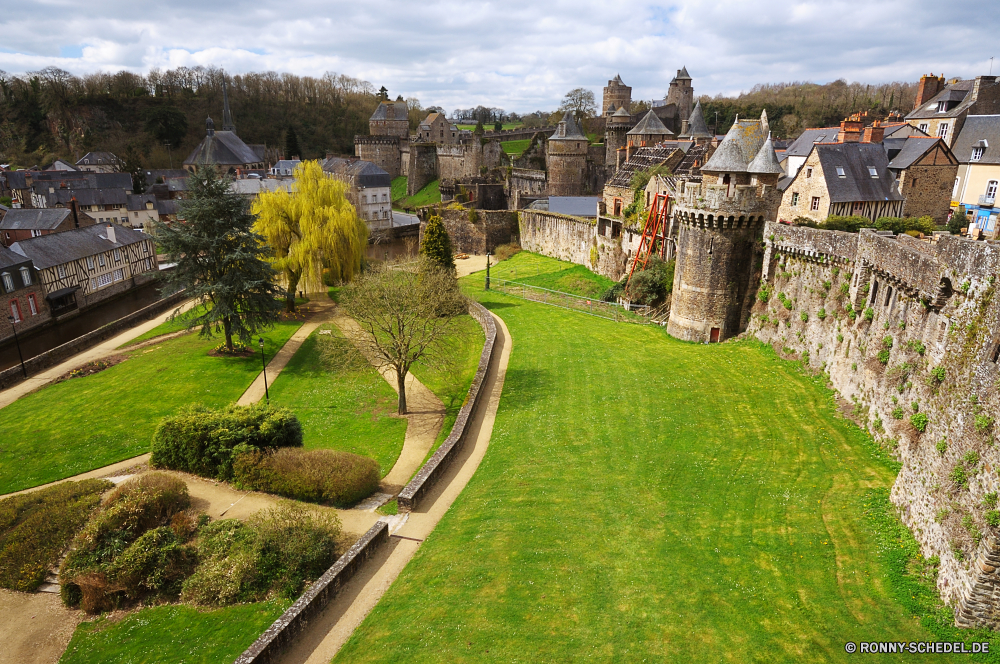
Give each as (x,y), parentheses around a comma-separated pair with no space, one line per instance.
(917,346)
(827,285)
(883,356)
(990,500)
(897,413)
(959,476)
(653,284)
(971,527)
(915,406)
(942,446)
(971,458)
(436,246)
(992,517)
(204,441)
(821,314)
(318,476)
(505,251)
(937,375)
(845,288)
(275,551)
(983,423)
(764,292)
(114,558)
(36,527)
(869,314)
(804,316)
(919,421)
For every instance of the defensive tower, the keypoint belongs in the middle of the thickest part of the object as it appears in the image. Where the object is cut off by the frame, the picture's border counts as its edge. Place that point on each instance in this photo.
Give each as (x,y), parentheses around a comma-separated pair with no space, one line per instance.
(615,135)
(616,95)
(567,159)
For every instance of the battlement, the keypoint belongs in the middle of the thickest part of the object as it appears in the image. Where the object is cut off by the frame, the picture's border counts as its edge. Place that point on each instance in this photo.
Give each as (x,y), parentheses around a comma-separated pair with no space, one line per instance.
(383,139)
(709,201)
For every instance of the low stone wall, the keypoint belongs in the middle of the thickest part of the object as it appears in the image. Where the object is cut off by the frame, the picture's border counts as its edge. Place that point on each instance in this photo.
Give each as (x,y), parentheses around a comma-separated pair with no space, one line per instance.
(14,375)
(268,648)
(490,229)
(431,472)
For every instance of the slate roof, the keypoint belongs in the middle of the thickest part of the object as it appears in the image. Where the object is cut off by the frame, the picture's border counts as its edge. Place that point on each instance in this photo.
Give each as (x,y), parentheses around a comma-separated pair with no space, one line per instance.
(115,197)
(137,202)
(857,184)
(399,111)
(958,91)
(98,159)
(683,73)
(912,149)
(572,130)
(24,219)
(642,159)
(153,174)
(223,148)
(362,174)
(577,206)
(71,180)
(58,248)
(696,124)
(905,127)
(979,128)
(694,159)
(650,125)
(254,186)
(165,206)
(621,112)
(618,79)
(803,145)
(739,147)
(766,162)
(9,258)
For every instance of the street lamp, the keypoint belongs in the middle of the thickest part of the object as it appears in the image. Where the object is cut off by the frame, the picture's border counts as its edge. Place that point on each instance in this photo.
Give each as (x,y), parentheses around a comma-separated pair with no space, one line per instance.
(18,342)
(264,365)
(488,254)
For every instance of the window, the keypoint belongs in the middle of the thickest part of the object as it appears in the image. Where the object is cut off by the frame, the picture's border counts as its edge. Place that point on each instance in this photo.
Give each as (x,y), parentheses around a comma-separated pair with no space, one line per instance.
(32,304)
(117,253)
(61,271)
(840,172)
(922,127)
(815,203)
(90,262)
(8,283)
(943,130)
(364,199)
(942,107)
(872,171)
(100,260)
(15,311)
(795,199)
(25,276)
(991,189)
(977,154)
(36,233)
(809,172)
(103,279)
(118,275)
(385,214)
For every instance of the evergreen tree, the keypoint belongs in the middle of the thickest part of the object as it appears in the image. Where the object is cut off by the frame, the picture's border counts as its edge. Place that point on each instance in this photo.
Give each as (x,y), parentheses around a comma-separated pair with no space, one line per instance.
(220,260)
(957,222)
(436,246)
(383,94)
(292,145)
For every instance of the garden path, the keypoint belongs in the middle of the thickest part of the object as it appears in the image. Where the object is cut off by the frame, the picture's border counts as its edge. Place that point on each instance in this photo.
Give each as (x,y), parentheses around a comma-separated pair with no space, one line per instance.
(35,628)
(331,629)
(103,349)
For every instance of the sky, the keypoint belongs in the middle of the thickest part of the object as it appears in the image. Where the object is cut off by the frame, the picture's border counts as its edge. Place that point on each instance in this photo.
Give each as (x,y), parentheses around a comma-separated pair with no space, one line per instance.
(517,55)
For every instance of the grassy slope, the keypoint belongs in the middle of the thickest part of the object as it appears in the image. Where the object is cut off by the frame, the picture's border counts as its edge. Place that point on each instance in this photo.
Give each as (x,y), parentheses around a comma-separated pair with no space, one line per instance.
(700,503)
(535,270)
(431,193)
(515,147)
(85,423)
(172,634)
(343,410)
(398,188)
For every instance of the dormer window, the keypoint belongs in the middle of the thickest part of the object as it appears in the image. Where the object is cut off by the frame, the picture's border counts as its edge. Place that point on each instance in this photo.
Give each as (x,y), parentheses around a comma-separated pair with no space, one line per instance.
(977,154)
(8,282)
(872,171)
(942,107)
(25,276)
(840,172)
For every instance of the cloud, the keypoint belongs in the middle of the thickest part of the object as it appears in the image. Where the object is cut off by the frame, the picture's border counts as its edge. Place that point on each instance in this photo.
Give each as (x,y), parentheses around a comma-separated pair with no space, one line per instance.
(518,55)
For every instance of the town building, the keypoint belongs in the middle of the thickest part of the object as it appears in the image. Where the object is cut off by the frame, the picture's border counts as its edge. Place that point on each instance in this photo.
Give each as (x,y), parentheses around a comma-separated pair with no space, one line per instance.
(141,210)
(436,129)
(32,189)
(21,295)
(98,162)
(285,167)
(619,192)
(224,149)
(61,165)
(391,118)
(648,132)
(941,109)
(978,175)
(796,152)
(369,189)
(23,224)
(925,170)
(83,266)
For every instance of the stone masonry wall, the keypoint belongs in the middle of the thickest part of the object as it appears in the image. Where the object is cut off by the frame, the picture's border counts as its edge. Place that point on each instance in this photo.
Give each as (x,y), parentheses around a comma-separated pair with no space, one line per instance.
(578,241)
(423,166)
(490,229)
(928,190)
(905,328)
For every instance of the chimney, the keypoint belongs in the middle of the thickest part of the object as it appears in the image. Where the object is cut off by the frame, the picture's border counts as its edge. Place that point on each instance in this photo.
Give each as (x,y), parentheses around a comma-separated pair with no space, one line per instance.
(111,234)
(874,134)
(929,86)
(76,215)
(850,130)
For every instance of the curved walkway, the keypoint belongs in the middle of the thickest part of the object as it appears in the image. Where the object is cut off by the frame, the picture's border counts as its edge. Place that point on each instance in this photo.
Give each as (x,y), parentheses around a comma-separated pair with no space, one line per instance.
(331,629)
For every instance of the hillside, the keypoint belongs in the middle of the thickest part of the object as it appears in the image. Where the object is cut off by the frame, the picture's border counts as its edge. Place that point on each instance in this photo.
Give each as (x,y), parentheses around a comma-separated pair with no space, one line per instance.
(50,114)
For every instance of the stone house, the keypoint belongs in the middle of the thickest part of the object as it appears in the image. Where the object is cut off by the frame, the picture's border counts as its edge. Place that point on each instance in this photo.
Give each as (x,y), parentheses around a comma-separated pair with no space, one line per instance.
(391,118)
(141,210)
(436,129)
(848,179)
(84,266)
(978,175)
(369,189)
(941,110)
(21,294)
(23,224)
(98,162)
(925,171)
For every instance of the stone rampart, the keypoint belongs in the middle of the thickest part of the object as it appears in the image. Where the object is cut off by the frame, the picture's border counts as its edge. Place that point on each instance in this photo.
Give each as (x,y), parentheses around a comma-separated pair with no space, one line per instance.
(474,231)
(423,167)
(603,246)
(907,330)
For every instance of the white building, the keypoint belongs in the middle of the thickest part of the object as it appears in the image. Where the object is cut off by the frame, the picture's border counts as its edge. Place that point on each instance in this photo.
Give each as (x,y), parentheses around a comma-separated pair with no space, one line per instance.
(369,189)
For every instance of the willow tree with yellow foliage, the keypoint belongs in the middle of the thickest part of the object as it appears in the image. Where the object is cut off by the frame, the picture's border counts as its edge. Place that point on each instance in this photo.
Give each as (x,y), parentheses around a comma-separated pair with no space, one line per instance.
(311,228)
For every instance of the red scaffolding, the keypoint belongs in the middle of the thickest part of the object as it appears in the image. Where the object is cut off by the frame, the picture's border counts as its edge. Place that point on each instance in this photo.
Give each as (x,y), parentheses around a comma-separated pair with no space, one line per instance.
(654,236)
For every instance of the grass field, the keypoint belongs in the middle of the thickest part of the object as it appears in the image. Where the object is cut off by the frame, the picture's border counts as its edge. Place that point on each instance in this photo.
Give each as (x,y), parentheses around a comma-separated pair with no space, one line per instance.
(645,499)
(351,410)
(398,190)
(429,195)
(515,147)
(528,268)
(85,423)
(172,634)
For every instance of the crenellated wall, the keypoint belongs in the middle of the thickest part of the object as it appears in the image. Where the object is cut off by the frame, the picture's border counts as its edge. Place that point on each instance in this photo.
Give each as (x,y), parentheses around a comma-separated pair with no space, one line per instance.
(906,329)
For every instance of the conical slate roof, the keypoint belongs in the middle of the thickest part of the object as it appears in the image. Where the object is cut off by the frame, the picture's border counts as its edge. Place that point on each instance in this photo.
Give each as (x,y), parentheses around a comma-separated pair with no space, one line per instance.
(765,161)
(650,125)
(621,113)
(696,124)
(683,73)
(568,129)
(618,79)
(728,157)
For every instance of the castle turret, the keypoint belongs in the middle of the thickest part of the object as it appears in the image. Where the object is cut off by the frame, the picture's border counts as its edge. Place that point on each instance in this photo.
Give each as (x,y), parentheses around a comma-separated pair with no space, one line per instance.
(648,132)
(616,95)
(720,221)
(681,93)
(695,127)
(566,159)
(615,135)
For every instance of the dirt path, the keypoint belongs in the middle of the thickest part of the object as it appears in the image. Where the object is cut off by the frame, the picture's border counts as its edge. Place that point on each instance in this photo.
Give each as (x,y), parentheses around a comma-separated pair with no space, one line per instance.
(35,627)
(474,263)
(103,349)
(331,629)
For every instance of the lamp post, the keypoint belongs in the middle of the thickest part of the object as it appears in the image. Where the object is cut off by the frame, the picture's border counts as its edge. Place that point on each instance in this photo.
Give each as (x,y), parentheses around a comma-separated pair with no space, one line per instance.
(18,342)
(488,254)
(264,366)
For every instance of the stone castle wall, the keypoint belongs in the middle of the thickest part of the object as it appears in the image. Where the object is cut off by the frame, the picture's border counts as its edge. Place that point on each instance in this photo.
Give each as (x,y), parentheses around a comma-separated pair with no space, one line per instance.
(423,166)
(383,151)
(477,232)
(601,245)
(931,311)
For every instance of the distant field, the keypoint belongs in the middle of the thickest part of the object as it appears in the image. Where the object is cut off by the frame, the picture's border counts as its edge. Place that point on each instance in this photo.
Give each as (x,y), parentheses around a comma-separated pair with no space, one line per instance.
(506,126)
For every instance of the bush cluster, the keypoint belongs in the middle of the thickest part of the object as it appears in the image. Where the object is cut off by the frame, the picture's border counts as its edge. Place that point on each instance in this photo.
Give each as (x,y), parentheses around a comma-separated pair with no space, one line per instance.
(854,224)
(278,550)
(204,441)
(318,476)
(36,527)
(505,251)
(649,286)
(129,548)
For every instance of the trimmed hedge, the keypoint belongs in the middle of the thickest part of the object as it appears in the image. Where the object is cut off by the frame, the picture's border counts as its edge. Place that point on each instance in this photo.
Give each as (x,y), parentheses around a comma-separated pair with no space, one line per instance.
(132,547)
(36,527)
(318,476)
(204,441)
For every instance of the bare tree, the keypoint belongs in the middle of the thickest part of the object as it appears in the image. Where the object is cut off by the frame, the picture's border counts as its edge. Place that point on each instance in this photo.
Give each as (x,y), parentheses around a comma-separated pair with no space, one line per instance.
(581,101)
(402,316)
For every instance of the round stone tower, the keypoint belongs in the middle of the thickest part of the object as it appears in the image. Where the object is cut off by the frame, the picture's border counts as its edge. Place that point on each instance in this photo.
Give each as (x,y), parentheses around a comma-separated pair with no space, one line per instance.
(720,222)
(616,135)
(616,95)
(566,159)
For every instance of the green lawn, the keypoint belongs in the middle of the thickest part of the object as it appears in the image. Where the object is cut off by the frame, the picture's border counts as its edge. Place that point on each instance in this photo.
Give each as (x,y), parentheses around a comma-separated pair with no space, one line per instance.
(536,270)
(430,194)
(515,148)
(351,410)
(167,327)
(645,499)
(86,423)
(398,190)
(172,634)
